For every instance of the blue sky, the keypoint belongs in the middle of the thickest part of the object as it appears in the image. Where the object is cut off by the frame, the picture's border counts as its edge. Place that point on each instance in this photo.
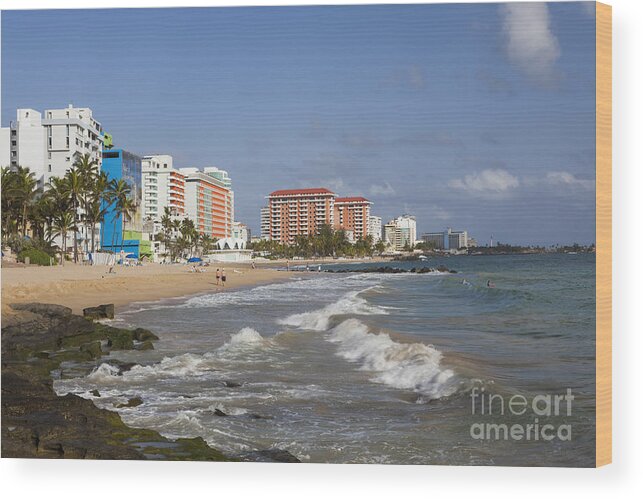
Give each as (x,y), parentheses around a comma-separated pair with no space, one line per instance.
(473,116)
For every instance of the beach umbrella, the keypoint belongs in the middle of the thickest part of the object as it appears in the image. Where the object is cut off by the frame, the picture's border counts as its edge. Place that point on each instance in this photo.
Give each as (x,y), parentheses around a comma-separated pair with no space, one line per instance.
(194,259)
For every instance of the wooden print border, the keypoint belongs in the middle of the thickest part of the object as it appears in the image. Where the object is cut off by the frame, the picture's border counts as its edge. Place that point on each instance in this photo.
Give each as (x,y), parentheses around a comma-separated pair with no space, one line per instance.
(603,234)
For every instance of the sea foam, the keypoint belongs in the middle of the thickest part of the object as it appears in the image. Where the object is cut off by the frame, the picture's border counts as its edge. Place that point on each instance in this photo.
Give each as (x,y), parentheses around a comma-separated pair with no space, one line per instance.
(319,320)
(407,366)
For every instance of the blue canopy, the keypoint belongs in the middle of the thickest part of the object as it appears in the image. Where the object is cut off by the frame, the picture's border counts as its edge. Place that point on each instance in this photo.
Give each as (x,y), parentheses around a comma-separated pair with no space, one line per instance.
(131,255)
(194,259)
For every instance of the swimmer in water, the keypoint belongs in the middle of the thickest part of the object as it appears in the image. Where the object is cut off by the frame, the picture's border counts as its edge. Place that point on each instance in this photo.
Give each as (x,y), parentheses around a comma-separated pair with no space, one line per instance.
(490,284)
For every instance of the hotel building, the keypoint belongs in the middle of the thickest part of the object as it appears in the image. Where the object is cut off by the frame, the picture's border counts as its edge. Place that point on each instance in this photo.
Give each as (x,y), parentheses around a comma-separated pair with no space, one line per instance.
(209,201)
(299,212)
(447,240)
(401,232)
(375,228)
(163,187)
(117,233)
(352,214)
(49,145)
(265,222)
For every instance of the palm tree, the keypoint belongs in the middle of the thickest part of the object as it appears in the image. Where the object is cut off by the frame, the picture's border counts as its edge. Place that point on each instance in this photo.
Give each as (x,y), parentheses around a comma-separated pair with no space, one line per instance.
(118,194)
(87,169)
(62,224)
(23,189)
(75,188)
(97,203)
(126,209)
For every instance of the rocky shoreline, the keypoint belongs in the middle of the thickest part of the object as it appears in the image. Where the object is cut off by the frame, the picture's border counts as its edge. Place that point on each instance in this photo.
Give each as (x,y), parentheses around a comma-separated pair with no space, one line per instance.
(394,270)
(40,339)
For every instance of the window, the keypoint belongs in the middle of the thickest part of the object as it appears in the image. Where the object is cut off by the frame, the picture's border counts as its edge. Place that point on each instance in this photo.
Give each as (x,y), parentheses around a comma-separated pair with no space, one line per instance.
(49,155)
(49,168)
(13,133)
(67,159)
(13,143)
(13,154)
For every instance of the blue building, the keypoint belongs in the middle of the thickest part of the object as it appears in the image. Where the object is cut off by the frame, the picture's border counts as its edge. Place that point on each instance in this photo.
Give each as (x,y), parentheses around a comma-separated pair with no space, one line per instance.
(114,236)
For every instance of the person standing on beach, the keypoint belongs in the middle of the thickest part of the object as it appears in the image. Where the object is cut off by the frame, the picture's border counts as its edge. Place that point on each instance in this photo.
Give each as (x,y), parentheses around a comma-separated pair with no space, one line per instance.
(218,276)
(223,278)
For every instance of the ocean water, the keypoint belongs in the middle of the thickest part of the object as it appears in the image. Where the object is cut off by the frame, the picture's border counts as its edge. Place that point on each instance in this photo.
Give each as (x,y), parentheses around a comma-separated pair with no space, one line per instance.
(373,368)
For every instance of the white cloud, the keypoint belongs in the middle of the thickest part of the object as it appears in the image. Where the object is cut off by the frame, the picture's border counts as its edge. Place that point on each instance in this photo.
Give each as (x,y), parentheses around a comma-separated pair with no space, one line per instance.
(437,213)
(569,180)
(381,190)
(487,182)
(531,45)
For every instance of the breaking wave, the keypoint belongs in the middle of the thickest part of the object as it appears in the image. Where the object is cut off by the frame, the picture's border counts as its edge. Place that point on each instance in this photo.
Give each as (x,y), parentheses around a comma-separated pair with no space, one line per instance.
(319,320)
(406,366)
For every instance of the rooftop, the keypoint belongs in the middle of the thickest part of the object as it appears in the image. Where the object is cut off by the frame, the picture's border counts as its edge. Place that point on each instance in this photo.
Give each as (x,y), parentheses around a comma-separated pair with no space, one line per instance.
(354,199)
(295,192)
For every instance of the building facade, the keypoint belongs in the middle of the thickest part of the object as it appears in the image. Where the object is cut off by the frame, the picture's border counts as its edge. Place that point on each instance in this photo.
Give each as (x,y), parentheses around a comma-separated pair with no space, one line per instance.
(352,215)
(375,228)
(401,232)
(299,212)
(447,240)
(241,231)
(49,144)
(116,233)
(163,187)
(265,222)
(209,202)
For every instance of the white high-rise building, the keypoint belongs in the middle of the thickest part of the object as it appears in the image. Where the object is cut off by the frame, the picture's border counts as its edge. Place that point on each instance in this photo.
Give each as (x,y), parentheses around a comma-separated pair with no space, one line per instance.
(401,232)
(265,222)
(49,143)
(163,187)
(375,228)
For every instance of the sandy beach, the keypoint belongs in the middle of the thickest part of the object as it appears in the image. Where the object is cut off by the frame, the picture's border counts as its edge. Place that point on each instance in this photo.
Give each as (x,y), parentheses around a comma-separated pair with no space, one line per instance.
(77,286)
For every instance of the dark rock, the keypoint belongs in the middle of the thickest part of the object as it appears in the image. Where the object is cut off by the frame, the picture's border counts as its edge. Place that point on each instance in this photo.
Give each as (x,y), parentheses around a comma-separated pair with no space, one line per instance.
(219,412)
(36,423)
(123,367)
(93,349)
(141,334)
(146,345)
(133,402)
(232,384)
(45,309)
(278,456)
(99,312)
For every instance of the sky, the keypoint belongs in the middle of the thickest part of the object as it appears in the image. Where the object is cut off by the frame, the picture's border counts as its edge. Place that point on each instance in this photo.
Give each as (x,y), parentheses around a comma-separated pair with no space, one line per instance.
(478,117)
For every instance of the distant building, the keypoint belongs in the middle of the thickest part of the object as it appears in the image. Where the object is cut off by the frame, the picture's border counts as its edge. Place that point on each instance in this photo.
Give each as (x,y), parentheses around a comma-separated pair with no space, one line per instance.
(163,187)
(299,212)
(209,202)
(375,228)
(447,240)
(50,145)
(265,222)
(352,215)
(241,231)
(401,232)
(117,233)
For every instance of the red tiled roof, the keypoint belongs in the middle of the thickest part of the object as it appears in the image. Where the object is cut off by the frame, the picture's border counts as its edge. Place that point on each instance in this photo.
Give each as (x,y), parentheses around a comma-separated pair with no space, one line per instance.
(292,192)
(354,199)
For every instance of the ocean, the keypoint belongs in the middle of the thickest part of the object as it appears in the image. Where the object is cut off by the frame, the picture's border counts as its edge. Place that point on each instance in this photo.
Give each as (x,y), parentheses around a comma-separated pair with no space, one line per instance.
(374,368)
